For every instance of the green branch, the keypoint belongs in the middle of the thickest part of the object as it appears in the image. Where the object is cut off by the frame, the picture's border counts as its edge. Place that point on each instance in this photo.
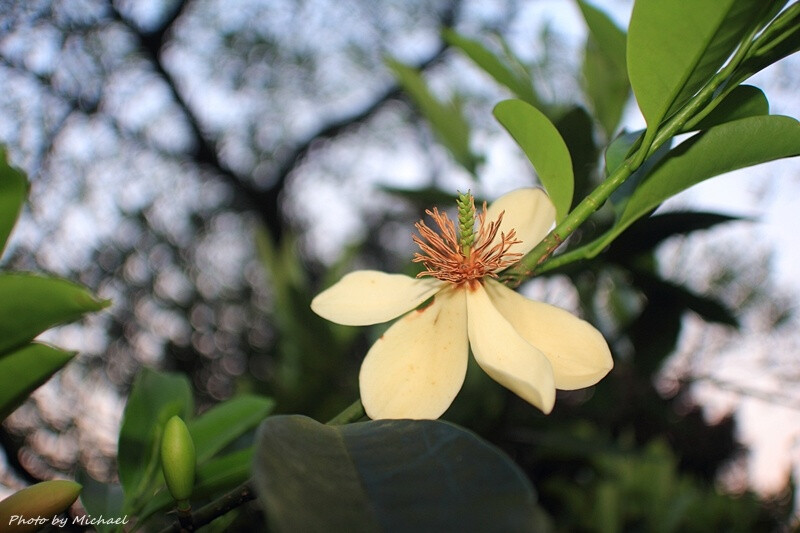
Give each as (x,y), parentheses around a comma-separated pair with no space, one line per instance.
(539,259)
(352,413)
(222,505)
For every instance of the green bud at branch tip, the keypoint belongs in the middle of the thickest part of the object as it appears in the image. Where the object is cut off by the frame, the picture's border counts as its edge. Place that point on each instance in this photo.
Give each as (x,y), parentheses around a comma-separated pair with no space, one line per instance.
(178,459)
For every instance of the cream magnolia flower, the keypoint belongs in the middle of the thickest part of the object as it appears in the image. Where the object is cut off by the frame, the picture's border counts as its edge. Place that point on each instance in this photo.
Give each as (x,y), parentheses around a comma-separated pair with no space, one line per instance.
(418,366)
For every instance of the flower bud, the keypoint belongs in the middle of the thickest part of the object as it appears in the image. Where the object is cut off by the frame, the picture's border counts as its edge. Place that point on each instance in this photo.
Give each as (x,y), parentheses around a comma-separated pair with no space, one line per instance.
(32,507)
(178,459)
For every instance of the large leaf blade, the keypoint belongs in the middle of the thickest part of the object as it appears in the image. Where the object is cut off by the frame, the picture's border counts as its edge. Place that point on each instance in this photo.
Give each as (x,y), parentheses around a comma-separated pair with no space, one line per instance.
(545,148)
(674,46)
(31,304)
(387,475)
(746,142)
(25,370)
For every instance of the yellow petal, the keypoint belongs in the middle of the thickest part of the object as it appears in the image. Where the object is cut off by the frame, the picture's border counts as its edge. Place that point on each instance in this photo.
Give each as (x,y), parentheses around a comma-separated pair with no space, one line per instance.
(368,297)
(529,211)
(418,366)
(577,351)
(505,356)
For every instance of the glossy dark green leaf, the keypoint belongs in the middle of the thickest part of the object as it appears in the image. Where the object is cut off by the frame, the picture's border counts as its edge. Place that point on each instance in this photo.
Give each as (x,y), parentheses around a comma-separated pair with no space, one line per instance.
(742,102)
(675,46)
(13,190)
(729,146)
(518,82)
(155,397)
(225,422)
(604,69)
(25,370)
(545,148)
(387,475)
(446,120)
(647,233)
(31,304)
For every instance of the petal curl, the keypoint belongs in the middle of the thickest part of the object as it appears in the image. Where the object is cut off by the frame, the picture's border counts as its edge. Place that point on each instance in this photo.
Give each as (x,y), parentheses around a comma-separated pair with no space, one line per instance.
(418,366)
(505,355)
(577,351)
(528,211)
(367,297)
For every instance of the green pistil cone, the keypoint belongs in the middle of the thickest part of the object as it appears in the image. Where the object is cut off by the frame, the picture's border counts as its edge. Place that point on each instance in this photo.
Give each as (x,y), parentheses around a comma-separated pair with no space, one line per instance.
(466,221)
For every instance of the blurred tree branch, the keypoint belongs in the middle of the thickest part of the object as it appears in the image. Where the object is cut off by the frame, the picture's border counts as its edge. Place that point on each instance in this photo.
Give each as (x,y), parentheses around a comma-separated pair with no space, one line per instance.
(265,202)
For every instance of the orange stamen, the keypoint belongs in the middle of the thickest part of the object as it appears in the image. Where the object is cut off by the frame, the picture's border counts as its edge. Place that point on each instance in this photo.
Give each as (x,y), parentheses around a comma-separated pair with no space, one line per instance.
(445,259)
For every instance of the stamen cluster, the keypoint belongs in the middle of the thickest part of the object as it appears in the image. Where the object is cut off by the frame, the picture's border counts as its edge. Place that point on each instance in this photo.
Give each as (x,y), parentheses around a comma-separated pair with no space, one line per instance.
(470,258)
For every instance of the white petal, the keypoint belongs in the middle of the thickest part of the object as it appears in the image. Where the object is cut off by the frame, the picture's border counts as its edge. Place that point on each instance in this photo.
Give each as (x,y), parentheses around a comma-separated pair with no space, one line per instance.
(578,352)
(418,366)
(505,356)
(368,297)
(529,211)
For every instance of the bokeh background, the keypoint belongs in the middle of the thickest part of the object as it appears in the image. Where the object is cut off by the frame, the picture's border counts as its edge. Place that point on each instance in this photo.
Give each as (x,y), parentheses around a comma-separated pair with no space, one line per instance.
(210,165)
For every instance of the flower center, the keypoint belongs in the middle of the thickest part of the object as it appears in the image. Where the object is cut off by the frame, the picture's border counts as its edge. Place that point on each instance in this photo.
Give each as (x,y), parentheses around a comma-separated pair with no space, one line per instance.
(469,256)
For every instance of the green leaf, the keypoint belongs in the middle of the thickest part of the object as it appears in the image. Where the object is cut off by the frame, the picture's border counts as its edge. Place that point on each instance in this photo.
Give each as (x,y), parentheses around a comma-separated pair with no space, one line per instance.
(742,102)
(518,83)
(619,149)
(604,70)
(675,46)
(225,422)
(645,234)
(214,477)
(545,148)
(25,370)
(608,36)
(154,398)
(98,499)
(615,156)
(387,475)
(730,146)
(446,120)
(31,304)
(654,333)
(780,44)
(576,127)
(709,308)
(13,190)
(423,198)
